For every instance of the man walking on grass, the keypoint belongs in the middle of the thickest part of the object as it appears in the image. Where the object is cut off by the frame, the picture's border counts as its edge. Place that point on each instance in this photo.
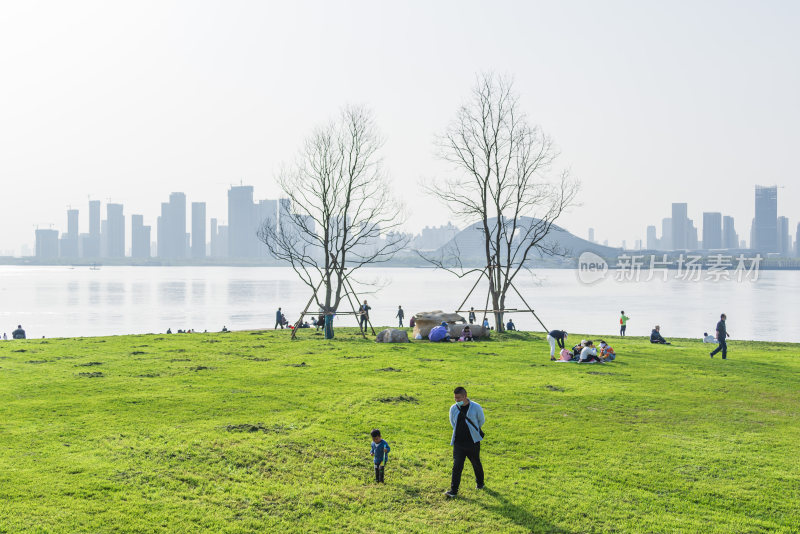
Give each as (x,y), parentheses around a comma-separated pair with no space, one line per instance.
(466,418)
(400,316)
(722,335)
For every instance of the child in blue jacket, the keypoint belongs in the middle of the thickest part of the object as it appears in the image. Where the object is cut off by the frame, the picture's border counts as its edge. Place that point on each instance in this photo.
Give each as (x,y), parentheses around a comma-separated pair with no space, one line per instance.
(380,453)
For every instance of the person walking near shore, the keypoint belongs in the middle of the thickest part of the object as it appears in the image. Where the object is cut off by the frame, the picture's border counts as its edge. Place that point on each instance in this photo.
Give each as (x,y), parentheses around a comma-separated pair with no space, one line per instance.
(722,336)
(466,418)
(400,315)
(623,323)
(278,319)
(472,315)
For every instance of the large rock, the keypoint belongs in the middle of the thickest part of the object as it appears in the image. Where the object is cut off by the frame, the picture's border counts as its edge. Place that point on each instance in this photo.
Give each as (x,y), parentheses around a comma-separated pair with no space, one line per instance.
(392,335)
(425,321)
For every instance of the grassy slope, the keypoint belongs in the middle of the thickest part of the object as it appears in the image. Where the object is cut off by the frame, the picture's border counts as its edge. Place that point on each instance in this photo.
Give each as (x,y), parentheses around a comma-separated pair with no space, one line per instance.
(665,439)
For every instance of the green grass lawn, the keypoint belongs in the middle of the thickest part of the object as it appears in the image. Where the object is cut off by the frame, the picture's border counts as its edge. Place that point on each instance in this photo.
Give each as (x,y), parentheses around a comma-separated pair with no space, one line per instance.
(249,431)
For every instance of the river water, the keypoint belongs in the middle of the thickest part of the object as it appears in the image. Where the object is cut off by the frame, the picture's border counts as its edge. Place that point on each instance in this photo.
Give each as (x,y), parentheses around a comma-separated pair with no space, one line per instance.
(64,301)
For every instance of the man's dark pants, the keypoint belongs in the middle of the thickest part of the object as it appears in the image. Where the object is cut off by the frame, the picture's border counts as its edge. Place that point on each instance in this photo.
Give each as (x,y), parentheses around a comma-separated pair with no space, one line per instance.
(461,453)
(723,346)
(363,323)
(622,330)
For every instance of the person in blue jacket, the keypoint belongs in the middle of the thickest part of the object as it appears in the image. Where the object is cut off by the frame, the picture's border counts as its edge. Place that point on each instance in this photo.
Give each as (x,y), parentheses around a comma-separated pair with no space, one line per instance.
(380,454)
(466,418)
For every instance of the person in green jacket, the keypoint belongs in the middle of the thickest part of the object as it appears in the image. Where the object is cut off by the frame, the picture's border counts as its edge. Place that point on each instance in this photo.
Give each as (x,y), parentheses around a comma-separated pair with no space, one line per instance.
(623,323)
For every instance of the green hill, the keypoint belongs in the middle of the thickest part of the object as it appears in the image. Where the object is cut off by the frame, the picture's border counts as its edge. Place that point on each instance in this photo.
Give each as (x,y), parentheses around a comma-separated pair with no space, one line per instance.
(246,432)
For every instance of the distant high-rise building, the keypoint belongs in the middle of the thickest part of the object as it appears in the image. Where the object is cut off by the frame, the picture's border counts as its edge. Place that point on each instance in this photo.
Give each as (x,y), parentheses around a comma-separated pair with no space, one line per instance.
(712,230)
(46,244)
(591,235)
(680,226)
(666,234)
(784,238)
(94,218)
(140,237)
(765,225)
(70,240)
(797,241)
(171,227)
(730,239)
(652,239)
(115,231)
(198,230)
(242,240)
(691,236)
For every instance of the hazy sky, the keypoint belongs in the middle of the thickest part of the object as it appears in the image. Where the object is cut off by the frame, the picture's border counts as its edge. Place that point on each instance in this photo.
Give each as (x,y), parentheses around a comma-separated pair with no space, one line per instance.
(650,102)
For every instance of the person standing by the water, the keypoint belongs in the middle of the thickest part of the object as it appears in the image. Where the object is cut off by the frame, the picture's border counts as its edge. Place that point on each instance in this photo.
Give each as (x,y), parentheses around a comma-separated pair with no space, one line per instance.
(722,335)
(364,311)
(278,319)
(472,315)
(400,315)
(623,323)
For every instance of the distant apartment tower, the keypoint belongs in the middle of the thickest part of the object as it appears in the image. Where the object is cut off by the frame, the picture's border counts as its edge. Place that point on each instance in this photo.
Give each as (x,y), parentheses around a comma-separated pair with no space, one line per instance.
(784,239)
(198,230)
(46,244)
(591,235)
(652,239)
(730,239)
(171,228)
(712,230)
(764,235)
(70,240)
(242,239)
(94,217)
(797,242)
(115,231)
(245,218)
(666,234)
(140,238)
(680,226)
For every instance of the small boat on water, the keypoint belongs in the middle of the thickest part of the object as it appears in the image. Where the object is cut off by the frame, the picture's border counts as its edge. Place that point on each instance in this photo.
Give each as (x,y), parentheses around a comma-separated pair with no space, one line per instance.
(94,267)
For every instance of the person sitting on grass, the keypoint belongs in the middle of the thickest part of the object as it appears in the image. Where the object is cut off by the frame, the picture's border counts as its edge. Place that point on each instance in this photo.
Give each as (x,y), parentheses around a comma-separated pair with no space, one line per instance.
(589,353)
(656,337)
(439,333)
(709,339)
(607,353)
(19,333)
(576,350)
(380,454)
(486,323)
(466,334)
(510,326)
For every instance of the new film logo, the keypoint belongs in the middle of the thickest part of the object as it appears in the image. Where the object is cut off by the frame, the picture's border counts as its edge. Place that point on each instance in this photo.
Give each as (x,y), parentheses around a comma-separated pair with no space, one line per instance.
(591,268)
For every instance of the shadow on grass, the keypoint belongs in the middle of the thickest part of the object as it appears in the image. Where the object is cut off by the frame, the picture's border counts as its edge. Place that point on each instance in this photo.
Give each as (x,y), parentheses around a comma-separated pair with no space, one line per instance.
(519,515)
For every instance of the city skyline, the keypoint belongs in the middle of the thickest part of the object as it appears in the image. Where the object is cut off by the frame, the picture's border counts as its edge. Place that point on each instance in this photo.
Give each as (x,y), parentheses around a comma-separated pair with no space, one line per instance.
(641,118)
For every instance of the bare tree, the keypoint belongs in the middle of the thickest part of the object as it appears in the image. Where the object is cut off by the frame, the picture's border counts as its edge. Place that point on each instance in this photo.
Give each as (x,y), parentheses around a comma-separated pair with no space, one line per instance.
(339,214)
(503,182)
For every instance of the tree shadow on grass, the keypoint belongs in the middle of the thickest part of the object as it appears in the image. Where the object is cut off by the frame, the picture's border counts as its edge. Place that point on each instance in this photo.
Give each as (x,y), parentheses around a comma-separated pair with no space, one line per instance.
(519,515)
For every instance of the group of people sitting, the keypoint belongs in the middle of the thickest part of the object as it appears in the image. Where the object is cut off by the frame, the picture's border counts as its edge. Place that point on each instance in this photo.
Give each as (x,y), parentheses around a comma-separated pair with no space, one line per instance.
(587,352)
(583,352)
(442,333)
